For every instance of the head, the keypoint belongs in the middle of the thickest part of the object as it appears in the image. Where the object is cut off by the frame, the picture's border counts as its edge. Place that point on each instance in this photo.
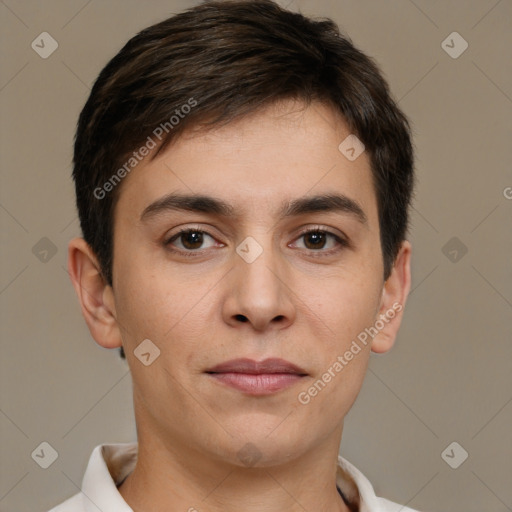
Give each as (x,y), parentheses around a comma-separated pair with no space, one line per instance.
(244,106)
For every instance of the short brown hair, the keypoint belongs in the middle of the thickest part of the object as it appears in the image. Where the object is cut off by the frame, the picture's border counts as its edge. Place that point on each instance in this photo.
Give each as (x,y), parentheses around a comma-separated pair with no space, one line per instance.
(231,58)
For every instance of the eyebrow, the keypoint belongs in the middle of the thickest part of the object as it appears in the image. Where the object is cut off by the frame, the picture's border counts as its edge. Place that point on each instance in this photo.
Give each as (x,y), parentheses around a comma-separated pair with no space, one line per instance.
(214,206)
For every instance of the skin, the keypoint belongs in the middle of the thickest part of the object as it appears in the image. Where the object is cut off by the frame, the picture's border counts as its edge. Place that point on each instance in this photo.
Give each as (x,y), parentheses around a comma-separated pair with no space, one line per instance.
(296,306)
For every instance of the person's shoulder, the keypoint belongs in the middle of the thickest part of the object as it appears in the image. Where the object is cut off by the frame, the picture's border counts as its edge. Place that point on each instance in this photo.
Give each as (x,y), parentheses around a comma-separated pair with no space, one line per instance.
(73,504)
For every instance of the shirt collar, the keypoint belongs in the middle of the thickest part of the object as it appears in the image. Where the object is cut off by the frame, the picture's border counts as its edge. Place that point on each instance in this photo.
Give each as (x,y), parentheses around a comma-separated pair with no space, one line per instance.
(110,464)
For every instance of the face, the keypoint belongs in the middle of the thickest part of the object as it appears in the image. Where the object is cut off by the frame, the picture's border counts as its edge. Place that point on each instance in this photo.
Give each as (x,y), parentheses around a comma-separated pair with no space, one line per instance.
(248,282)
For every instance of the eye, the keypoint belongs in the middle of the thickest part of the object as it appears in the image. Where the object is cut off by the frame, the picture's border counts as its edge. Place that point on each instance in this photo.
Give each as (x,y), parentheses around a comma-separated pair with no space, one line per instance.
(190,239)
(316,239)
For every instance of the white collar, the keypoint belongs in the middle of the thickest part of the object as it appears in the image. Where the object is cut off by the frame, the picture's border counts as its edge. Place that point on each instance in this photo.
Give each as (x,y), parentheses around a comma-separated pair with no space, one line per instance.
(109,464)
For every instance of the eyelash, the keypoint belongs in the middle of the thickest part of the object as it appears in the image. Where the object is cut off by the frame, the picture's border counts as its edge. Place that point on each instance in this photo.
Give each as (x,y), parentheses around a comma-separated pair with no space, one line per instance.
(343,243)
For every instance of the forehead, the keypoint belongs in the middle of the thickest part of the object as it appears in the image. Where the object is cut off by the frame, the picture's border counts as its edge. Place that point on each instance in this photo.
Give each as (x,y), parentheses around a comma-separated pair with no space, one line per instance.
(259,162)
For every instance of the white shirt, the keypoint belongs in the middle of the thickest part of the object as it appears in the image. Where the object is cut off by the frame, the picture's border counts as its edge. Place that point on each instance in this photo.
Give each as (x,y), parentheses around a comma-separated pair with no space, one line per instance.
(110,464)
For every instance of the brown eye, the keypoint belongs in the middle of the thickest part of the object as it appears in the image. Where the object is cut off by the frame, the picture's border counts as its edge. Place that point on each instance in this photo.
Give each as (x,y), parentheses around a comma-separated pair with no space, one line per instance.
(315,239)
(192,239)
(189,240)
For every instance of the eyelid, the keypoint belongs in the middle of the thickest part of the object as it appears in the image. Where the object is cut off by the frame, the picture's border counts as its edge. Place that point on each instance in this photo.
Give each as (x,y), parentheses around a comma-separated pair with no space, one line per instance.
(326,229)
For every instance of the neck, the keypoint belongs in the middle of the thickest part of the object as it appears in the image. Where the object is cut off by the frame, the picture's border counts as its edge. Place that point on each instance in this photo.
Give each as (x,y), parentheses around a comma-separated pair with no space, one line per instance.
(170,479)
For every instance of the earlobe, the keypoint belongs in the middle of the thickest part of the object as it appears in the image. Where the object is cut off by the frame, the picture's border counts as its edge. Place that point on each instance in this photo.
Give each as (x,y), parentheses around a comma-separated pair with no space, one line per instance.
(95,296)
(394,295)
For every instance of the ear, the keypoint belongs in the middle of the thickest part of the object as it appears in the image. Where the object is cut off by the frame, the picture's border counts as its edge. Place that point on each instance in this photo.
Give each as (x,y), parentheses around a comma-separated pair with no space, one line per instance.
(95,295)
(392,304)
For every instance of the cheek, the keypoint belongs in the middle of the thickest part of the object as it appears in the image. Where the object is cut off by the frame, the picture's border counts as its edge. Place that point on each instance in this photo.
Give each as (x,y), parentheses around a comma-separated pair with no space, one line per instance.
(161,305)
(351,308)
(346,304)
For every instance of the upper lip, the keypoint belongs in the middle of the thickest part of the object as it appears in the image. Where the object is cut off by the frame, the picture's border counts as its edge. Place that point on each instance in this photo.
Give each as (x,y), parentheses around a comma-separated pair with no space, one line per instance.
(252,367)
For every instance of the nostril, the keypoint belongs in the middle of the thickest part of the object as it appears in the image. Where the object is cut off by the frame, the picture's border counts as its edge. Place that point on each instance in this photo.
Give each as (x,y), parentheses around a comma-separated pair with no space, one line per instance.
(242,318)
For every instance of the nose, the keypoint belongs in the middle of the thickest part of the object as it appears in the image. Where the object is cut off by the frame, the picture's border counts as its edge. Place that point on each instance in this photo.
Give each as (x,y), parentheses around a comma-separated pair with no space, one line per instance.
(259,293)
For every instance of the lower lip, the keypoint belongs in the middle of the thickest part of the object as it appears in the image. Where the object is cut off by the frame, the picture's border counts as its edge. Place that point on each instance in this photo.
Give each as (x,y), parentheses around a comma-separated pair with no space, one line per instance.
(260,384)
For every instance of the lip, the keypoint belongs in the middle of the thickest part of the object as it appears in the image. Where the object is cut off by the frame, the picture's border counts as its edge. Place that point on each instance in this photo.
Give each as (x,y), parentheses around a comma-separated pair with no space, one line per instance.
(257,377)
(251,367)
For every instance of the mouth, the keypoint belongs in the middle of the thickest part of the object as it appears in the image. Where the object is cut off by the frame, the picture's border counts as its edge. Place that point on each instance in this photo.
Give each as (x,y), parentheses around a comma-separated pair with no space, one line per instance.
(257,378)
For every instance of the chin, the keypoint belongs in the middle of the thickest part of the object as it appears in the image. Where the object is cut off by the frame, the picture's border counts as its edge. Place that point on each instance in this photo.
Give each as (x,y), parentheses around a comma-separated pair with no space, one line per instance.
(261,449)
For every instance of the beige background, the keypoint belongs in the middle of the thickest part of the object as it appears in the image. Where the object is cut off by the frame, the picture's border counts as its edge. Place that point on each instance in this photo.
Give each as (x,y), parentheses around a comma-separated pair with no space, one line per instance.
(449,376)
